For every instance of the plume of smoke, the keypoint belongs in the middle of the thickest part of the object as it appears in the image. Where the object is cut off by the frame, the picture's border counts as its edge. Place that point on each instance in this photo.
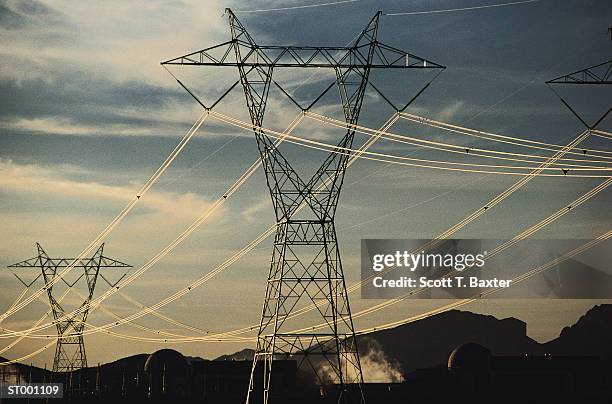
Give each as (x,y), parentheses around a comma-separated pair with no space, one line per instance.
(376,366)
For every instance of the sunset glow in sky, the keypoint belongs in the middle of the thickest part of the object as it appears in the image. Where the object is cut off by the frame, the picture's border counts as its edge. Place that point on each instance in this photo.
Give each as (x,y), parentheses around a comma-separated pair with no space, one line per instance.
(87,114)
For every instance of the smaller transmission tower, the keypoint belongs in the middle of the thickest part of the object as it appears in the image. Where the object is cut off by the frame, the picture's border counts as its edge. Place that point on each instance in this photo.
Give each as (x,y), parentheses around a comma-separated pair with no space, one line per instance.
(70,348)
(598,75)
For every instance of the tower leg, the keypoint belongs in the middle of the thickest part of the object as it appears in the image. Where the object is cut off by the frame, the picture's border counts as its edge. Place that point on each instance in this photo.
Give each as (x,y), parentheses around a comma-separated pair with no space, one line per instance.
(69,354)
(306,269)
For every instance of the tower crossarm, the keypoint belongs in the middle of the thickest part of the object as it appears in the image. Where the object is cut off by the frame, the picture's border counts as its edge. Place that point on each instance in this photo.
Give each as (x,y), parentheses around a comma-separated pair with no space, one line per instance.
(336,57)
(66,262)
(256,64)
(598,74)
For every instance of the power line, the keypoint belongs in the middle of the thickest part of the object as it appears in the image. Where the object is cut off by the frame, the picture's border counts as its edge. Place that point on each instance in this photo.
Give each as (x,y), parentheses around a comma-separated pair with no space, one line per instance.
(497,250)
(522,142)
(452,148)
(266,10)
(263,236)
(551,264)
(555,216)
(414,162)
(358,154)
(115,222)
(449,10)
(70,351)
(502,247)
(186,233)
(249,247)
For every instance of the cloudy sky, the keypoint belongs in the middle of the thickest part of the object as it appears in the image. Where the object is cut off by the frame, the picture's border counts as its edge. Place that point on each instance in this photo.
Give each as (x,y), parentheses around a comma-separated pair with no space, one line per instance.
(87,114)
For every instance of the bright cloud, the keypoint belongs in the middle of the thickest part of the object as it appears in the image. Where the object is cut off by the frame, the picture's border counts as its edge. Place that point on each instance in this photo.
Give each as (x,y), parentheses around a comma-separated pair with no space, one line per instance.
(51,183)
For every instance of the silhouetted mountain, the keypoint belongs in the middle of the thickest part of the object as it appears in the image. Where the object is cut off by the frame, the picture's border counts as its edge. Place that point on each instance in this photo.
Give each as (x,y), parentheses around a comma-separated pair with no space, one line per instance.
(245,354)
(591,335)
(192,359)
(429,342)
(129,361)
(406,362)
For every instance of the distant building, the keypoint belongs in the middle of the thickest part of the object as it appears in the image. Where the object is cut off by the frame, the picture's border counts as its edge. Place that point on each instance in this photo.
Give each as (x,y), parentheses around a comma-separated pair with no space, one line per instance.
(471,375)
(167,375)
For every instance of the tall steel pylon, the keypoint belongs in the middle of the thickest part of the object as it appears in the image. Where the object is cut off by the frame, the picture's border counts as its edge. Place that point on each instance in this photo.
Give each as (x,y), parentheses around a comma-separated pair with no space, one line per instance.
(597,75)
(306,269)
(70,348)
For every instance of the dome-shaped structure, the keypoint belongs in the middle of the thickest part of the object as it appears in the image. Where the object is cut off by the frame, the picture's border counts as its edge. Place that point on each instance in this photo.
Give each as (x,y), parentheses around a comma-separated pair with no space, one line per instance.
(166,372)
(470,357)
(169,358)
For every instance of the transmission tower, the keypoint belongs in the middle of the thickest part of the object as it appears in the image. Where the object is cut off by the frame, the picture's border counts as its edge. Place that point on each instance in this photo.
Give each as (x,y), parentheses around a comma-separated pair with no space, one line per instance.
(306,268)
(597,75)
(70,347)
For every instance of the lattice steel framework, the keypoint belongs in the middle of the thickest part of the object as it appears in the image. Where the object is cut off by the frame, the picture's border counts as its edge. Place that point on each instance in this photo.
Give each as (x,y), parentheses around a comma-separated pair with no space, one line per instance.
(600,74)
(70,349)
(306,268)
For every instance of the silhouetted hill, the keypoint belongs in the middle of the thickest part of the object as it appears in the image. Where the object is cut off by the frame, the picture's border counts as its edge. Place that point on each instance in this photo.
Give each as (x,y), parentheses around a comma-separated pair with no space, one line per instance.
(129,361)
(245,354)
(591,335)
(429,342)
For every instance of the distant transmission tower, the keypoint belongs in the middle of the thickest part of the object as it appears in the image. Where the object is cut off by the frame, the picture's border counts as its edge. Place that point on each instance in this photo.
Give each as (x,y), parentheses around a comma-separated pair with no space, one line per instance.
(70,348)
(597,75)
(306,268)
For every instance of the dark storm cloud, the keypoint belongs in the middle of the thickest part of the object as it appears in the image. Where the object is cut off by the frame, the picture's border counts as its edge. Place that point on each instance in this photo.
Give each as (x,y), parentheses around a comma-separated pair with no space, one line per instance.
(18,14)
(500,55)
(516,39)
(33,8)
(78,96)
(10,19)
(489,52)
(42,79)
